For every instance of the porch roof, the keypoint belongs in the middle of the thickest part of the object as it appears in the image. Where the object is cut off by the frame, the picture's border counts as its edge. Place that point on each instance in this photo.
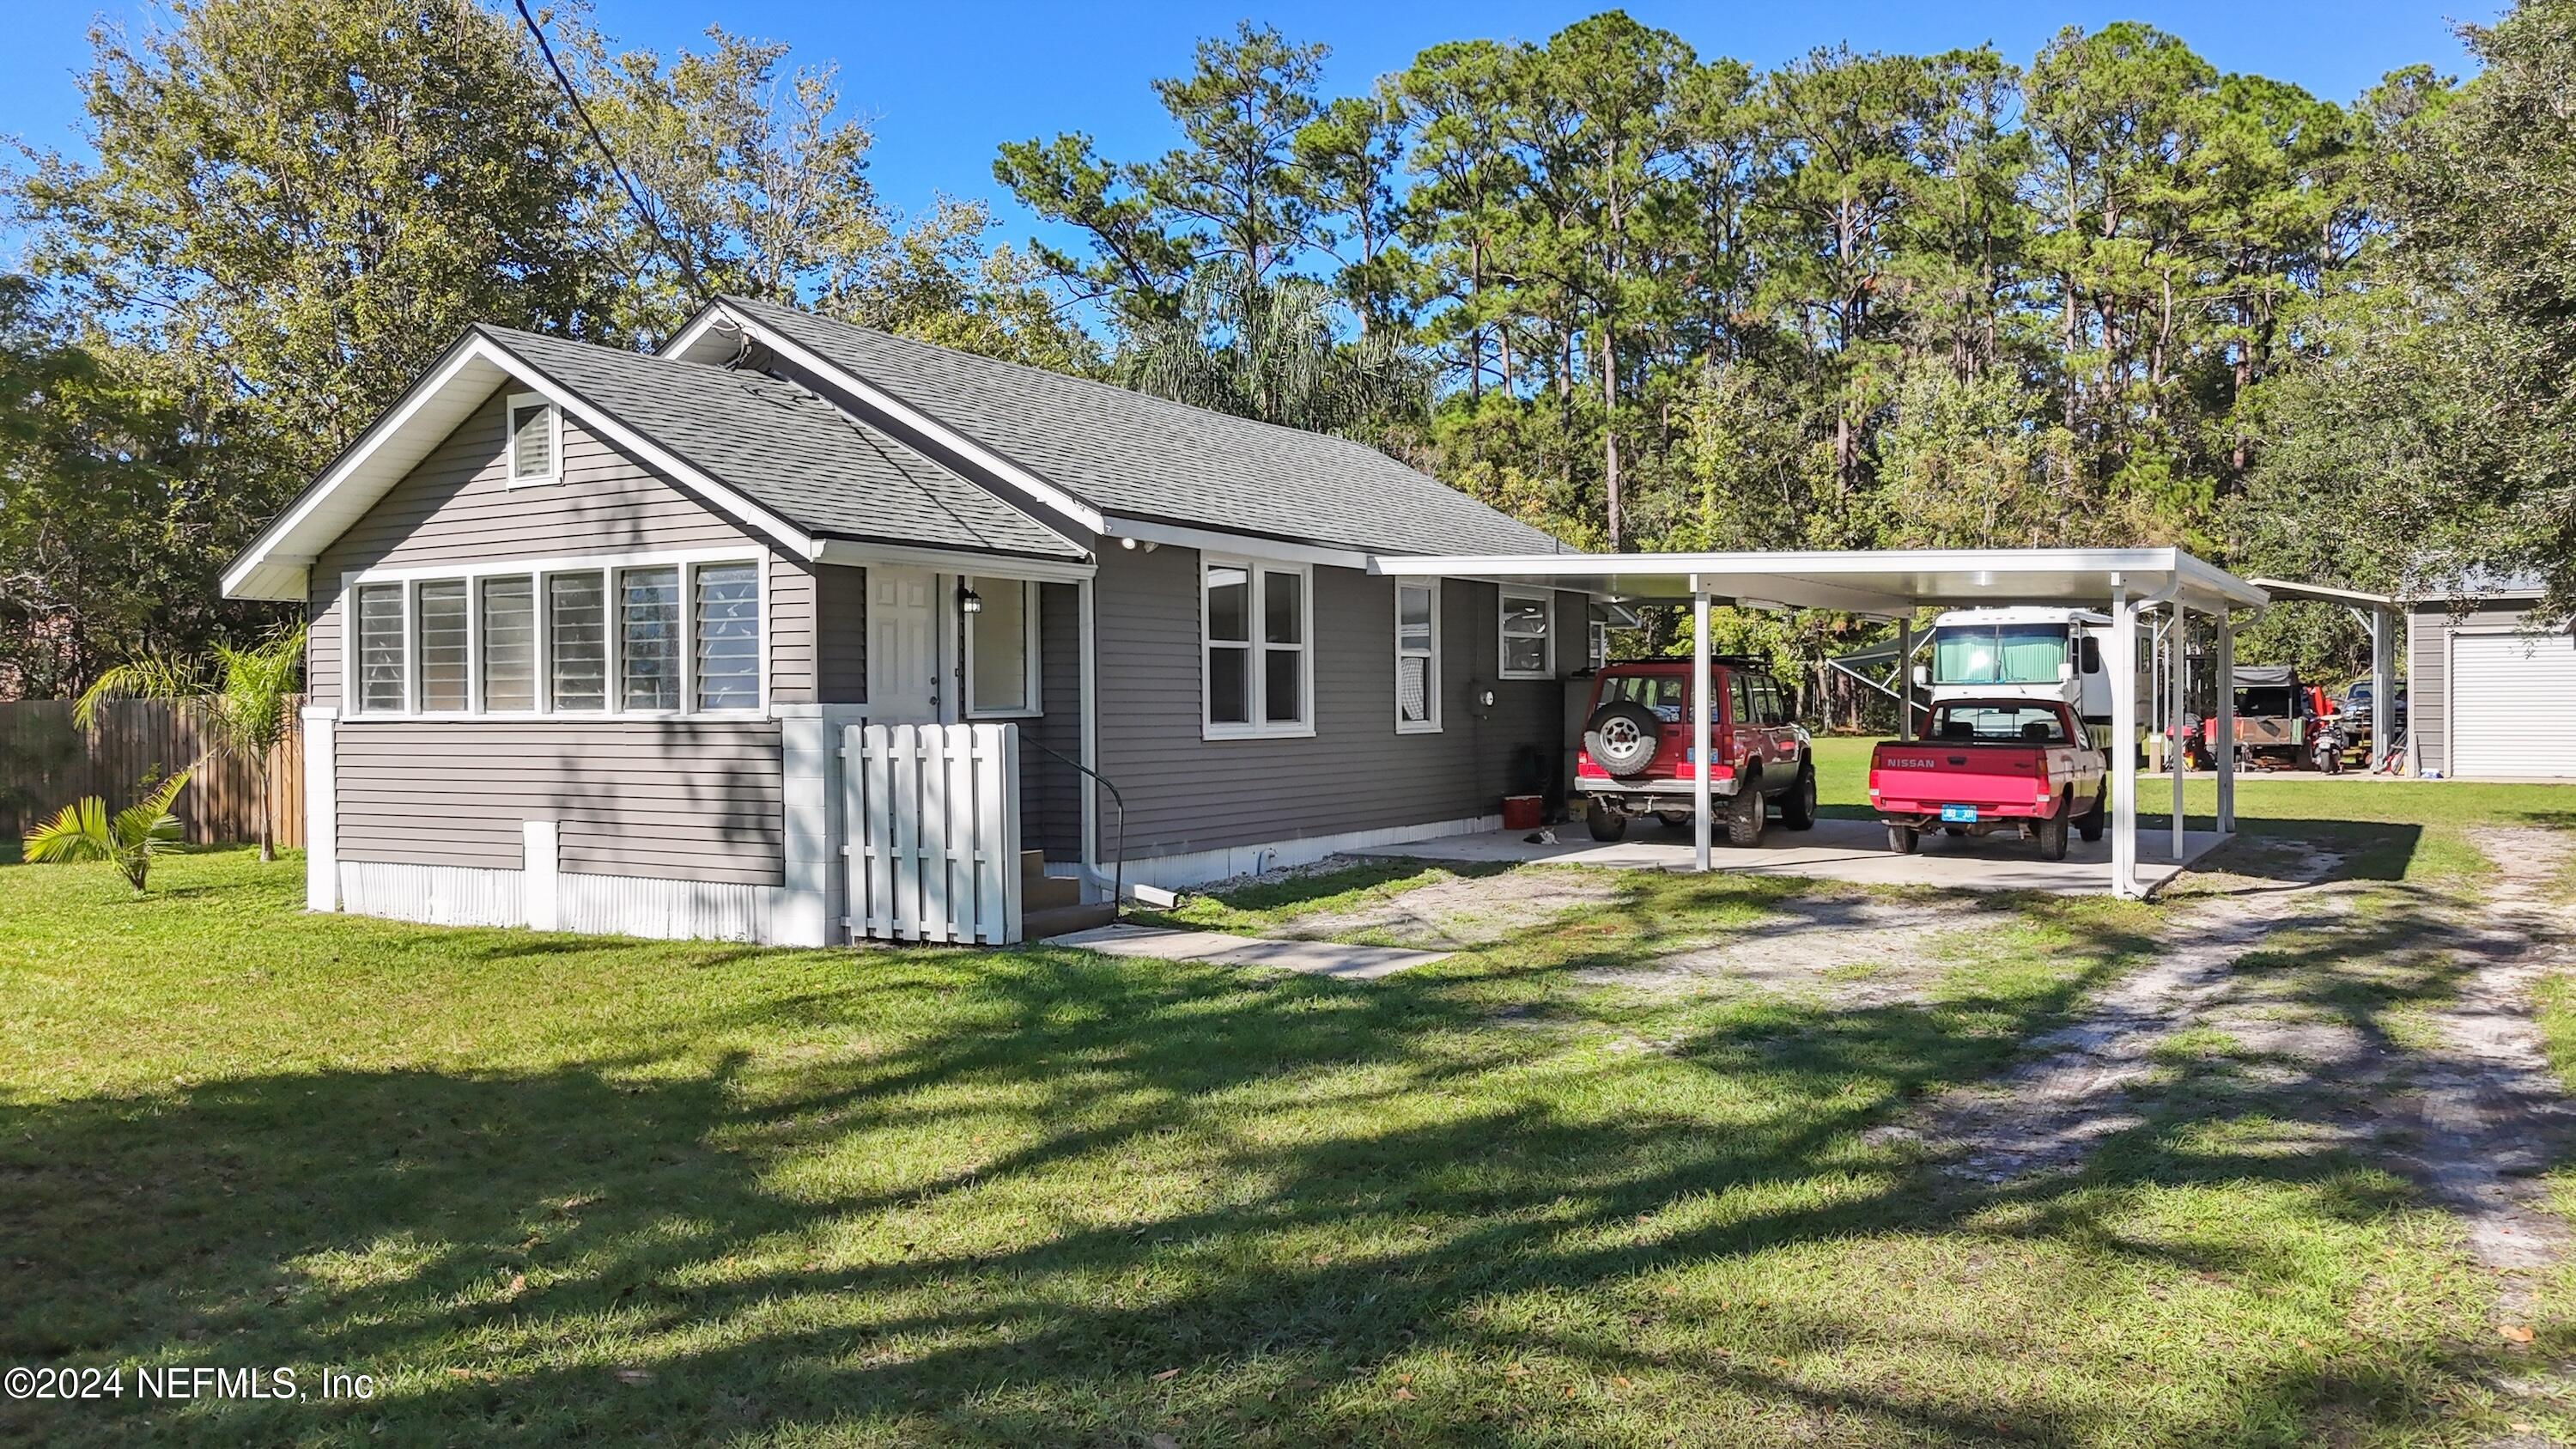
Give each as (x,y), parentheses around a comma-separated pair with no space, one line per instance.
(1886,582)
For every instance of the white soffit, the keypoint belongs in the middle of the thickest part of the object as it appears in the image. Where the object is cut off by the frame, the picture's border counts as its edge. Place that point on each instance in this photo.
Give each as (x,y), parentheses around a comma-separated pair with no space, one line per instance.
(1867,581)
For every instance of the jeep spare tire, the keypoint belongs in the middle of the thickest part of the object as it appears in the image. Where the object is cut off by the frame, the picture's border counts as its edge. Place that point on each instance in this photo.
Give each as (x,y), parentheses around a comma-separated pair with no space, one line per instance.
(1622,737)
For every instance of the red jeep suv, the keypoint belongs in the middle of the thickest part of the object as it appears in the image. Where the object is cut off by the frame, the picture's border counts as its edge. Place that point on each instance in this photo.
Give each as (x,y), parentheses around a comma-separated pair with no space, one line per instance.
(1636,756)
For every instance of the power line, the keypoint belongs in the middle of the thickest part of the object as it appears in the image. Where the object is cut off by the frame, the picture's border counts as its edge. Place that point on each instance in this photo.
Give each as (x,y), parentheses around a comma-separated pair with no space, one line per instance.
(643,207)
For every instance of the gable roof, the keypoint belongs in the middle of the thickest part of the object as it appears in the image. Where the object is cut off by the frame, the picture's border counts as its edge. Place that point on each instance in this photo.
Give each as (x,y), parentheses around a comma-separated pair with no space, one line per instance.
(1143,457)
(780,460)
(790,450)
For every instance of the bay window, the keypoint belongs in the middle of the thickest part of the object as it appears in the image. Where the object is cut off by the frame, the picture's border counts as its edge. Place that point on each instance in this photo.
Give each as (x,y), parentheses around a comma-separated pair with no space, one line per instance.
(1417,658)
(1528,638)
(1256,620)
(654,636)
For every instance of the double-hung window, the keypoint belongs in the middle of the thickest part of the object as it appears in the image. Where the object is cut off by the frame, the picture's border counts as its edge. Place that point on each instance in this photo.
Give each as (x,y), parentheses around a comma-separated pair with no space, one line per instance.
(1417,658)
(1002,649)
(1528,636)
(655,636)
(1255,622)
(534,434)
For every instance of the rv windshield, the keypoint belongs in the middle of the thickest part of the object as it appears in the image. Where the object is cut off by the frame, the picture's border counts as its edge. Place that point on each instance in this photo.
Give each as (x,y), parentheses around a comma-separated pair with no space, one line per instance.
(1998,653)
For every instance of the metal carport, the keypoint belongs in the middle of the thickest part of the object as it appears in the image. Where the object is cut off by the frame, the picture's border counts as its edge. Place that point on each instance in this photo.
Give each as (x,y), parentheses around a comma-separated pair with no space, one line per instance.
(1894,584)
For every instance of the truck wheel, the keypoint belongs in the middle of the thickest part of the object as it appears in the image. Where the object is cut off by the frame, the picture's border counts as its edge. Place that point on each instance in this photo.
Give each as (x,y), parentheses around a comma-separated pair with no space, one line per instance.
(1904,839)
(2052,834)
(1798,807)
(1744,815)
(2089,824)
(1605,823)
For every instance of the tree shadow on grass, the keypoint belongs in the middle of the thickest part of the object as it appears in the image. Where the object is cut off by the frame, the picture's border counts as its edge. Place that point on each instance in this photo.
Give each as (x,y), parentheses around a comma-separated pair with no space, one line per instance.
(1068,1199)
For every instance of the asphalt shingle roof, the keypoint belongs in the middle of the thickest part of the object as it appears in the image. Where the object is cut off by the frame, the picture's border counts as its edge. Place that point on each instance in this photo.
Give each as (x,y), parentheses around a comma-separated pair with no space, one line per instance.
(788,450)
(1146,457)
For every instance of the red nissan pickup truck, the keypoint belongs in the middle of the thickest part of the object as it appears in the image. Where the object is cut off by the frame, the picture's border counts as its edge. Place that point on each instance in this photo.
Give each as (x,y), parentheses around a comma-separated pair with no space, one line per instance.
(1988,765)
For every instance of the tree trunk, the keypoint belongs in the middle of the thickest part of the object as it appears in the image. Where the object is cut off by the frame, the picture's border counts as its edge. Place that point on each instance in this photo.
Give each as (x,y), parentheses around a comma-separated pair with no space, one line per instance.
(267,828)
(1610,430)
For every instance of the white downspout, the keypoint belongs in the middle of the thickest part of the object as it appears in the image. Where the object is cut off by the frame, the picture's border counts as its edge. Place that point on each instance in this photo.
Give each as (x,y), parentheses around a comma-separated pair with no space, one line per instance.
(1700,711)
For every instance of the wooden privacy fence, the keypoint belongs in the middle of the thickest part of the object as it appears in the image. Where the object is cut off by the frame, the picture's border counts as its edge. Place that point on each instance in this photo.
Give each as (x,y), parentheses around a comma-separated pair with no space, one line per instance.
(47,763)
(933,820)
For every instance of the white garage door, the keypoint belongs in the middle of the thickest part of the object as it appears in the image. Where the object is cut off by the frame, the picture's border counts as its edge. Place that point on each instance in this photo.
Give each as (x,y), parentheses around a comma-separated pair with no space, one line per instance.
(2513,704)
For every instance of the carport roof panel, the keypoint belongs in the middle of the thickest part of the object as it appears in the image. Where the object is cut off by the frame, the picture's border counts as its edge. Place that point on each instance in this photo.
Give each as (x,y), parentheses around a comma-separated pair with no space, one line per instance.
(1868,581)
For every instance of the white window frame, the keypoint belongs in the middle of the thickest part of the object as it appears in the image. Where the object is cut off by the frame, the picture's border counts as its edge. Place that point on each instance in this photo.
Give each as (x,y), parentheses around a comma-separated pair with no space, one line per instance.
(353,696)
(1257,683)
(606,566)
(1502,644)
(1029,592)
(511,407)
(1431,681)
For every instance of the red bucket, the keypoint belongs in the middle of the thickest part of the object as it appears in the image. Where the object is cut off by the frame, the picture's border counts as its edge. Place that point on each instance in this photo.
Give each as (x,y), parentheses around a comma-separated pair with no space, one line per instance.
(1523,812)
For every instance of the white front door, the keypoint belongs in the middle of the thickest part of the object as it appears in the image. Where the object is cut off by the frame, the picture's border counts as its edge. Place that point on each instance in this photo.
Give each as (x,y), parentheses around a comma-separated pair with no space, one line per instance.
(904,664)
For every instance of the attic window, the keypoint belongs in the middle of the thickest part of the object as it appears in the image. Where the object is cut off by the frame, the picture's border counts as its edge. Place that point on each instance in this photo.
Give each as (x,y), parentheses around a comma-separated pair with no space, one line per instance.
(536,440)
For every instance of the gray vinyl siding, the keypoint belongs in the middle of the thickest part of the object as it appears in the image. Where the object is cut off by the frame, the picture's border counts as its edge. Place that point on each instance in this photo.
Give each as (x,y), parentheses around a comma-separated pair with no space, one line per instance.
(1188,794)
(668,799)
(457,507)
(1050,789)
(2428,672)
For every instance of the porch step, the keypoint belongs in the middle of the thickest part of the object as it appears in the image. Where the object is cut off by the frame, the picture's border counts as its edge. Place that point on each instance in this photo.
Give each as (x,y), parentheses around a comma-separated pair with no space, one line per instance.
(1038,925)
(1046,892)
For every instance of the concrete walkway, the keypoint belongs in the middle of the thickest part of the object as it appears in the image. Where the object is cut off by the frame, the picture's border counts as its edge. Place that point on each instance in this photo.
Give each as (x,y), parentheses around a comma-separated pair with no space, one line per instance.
(1314,958)
(1838,850)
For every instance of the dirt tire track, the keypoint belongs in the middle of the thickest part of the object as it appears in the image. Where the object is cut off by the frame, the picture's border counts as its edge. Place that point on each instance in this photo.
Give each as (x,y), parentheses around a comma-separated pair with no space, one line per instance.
(2048,1114)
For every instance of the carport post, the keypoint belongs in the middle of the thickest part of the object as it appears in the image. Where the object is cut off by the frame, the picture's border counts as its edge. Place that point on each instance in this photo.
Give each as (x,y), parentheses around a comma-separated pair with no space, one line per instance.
(1905,678)
(1700,689)
(2124,740)
(2224,732)
(2175,653)
(2383,684)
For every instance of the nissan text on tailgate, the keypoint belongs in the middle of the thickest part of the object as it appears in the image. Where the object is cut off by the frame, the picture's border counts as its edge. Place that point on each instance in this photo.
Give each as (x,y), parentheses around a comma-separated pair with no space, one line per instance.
(1988,765)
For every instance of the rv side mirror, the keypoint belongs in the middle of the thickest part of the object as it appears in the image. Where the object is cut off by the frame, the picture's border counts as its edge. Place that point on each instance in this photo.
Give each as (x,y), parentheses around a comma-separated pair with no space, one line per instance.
(1923,675)
(2065,670)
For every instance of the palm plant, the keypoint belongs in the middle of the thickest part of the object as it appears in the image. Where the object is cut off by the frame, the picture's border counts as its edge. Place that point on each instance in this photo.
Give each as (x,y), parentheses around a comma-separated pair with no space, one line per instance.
(242,711)
(128,840)
(1272,350)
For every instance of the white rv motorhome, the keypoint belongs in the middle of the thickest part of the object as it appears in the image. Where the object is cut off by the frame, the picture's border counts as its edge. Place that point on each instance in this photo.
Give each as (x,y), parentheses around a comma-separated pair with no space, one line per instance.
(2023,652)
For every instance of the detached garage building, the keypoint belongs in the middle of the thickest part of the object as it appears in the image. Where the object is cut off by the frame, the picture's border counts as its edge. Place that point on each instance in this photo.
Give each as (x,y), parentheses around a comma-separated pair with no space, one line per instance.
(2490,695)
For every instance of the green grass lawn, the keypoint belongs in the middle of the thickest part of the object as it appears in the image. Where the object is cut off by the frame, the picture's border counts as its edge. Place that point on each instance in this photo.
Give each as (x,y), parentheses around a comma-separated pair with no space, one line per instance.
(549,1189)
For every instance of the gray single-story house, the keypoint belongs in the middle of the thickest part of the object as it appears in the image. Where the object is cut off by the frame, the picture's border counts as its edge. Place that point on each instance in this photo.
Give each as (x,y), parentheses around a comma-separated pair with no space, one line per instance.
(587,625)
(2490,694)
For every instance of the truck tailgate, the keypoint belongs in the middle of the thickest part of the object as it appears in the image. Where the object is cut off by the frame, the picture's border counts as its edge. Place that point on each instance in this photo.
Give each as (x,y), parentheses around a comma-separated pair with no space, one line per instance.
(1942,773)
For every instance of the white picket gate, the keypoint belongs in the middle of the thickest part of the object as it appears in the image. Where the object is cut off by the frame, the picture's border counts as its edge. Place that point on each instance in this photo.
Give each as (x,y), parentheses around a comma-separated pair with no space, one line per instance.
(933,820)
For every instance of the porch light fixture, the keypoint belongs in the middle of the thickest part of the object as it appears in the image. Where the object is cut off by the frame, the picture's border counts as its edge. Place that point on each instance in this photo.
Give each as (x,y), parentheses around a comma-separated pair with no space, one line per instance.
(969,601)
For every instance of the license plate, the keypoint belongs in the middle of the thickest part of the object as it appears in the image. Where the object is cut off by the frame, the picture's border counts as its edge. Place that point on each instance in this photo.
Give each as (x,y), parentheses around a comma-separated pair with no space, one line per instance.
(1959,814)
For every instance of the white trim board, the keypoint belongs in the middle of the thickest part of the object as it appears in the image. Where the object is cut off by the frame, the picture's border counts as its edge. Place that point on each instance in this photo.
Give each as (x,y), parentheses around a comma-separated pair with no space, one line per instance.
(600,905)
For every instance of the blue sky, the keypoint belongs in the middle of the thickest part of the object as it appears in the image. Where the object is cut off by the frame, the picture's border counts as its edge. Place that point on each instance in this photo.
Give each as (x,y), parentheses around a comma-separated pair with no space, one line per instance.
(947,82)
